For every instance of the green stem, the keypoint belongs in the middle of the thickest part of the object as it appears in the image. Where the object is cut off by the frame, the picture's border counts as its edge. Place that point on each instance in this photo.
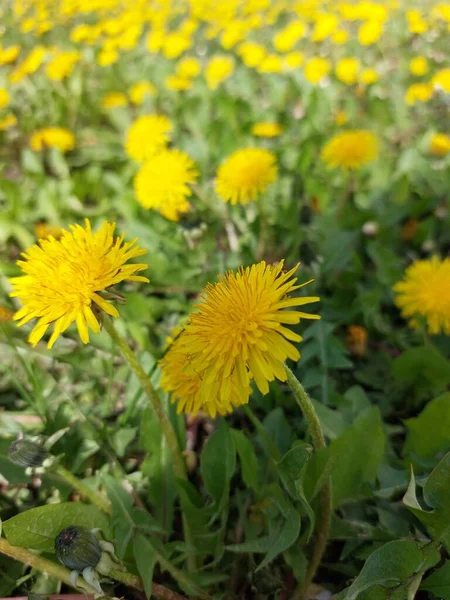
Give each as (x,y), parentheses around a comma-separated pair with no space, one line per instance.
(178,463)
(326,507)
(167,429)
(62,574)
(103,503)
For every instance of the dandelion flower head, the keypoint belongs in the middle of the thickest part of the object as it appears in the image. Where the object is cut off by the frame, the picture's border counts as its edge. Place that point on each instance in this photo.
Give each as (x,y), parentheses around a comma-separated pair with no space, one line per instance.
(351,149)
(425,292)
(162,183)
(266,129)
(52,137)
(147,136)
(237,335)
(66,280)
(4,98)
(139,90)
(440,144)
(245,174)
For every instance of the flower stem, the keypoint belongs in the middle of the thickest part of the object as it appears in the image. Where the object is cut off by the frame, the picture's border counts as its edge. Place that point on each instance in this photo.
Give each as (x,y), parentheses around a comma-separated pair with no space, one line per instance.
(103,503)
(59,572)
(168,431)
(326,509)
(178,463)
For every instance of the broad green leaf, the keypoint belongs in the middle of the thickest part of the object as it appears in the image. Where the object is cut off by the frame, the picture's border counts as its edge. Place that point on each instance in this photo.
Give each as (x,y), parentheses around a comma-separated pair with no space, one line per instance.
(283,538)
(145,557)
(258,546)
(247,458)
(391,565)
(423,370)
(428,433)
(436,494)
(438,583)
(356,456)
(122,437)
(279,429)
(37,528)
(121,519)
(292,470)
(218,463)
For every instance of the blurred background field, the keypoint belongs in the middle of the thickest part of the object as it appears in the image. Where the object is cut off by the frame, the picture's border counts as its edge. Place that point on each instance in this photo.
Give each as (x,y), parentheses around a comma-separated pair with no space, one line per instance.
(222,133)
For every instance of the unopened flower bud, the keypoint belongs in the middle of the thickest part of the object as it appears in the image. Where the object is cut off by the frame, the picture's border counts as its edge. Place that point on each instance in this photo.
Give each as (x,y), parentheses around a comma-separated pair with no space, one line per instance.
(27,454)
(77,548)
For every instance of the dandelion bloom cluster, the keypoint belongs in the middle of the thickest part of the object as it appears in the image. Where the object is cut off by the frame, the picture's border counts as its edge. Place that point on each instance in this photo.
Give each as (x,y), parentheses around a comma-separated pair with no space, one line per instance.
(64,279)
(219,68)
(147,136)
(52,137)
(425,292)
(4,98)
(140,90)
(351,149)
(162,183)
(440,144)
(238,334)
(267,129)
(245,174)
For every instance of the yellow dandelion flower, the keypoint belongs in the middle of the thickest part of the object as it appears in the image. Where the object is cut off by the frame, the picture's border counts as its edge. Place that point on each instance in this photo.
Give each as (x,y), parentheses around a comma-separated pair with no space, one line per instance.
(7,122)
(267,129)
(418,92)
(294,60)
(425,292)
(252,54)
(147,136)
(105,57)
(218,69)
(189,67)
(44,230)
(440,144)
(52,137)
(441,80)
(351,149)
(317,69)
(4,98)
(139,90)
(326,25)
(370,32)
(340,118)
(178,83)
(245,174)
(65,281)
(368,76)
(113,100)
(9,55)
(6,314)
(419,66)
(340,37)
(238,334)
(347,70)
(62,65)
(272,63)
(155,40)
(175,44)
(162,183)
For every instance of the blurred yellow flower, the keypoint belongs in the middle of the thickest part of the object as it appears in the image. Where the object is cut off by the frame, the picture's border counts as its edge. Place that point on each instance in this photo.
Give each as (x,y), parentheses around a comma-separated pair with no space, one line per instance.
(272,63)
(368,76)
(267,129)
(317,69)
(147,136)
(340,37)
(416,22)
(294,60)
(347,70)
(245,174)
(52,137)
(29,65)
(418,92)
(218,69)
(440,144)
(351,149)
(6,314)
(356,340)
(370,32)
(9,55)
(419,66)
(236,335)
(139,90)
(425,292)
(162,183)
(7,122)
(64,280)
(113,100)
(341,118)
(285,39)
(62,65)
(252,54)
(155,40)
(175,44)
(107,57)
(326,24)
(441,80)
(4,98)
(188,67)
(44,230)
(233,33)
(178,83)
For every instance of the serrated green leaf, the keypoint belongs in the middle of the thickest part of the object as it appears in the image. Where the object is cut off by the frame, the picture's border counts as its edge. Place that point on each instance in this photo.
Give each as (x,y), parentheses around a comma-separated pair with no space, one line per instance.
(218,463)
(145,557)
(247,457)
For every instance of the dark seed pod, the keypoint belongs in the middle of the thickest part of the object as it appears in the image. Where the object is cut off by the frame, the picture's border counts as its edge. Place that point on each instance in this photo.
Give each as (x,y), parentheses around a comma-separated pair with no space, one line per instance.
(77,548)
(27,454)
